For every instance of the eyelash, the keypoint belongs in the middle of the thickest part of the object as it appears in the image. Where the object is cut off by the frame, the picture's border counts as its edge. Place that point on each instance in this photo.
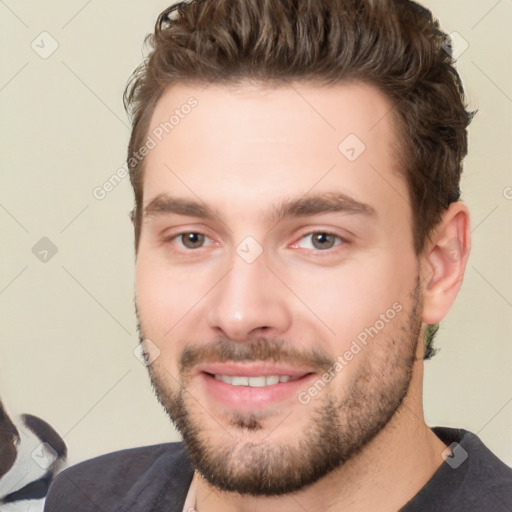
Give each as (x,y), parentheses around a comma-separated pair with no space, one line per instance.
(342,241)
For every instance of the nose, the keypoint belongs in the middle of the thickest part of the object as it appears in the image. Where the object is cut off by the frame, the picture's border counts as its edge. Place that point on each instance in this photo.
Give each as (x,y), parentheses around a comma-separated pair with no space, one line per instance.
(249,301)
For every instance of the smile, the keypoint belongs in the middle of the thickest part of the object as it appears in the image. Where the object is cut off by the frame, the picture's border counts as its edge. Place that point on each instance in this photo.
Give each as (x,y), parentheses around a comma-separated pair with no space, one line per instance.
(251,387)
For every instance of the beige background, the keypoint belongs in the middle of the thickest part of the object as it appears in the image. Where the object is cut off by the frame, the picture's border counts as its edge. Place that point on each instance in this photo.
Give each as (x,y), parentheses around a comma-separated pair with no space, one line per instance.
(68,325)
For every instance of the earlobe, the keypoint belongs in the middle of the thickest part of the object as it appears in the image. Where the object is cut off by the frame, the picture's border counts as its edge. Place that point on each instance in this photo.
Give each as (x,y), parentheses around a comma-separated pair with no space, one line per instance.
(444,262)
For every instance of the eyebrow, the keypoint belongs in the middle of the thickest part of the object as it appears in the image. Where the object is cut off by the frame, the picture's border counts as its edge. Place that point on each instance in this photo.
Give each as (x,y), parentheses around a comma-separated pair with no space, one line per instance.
(308,205)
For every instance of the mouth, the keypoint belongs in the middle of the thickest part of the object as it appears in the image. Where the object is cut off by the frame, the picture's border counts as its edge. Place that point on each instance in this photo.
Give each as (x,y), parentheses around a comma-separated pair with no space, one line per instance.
(252,387)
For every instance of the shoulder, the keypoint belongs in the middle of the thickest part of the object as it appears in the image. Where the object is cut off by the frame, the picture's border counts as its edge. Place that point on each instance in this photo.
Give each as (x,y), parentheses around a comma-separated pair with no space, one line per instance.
(487,474)
(472,478)
(107,481)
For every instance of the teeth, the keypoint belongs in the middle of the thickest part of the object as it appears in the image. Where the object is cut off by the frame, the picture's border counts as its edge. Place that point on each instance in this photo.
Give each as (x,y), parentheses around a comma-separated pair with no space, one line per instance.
(239,381)
(272,379)
(254,382)
(257,382)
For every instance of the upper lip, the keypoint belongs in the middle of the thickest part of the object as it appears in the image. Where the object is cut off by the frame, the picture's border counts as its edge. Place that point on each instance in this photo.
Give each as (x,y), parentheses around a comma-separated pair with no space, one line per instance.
(252,369)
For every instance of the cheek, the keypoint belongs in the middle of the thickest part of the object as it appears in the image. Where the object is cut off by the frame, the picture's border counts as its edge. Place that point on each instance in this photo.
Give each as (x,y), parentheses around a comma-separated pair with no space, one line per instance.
(156,295)
(159,311)
(167,295)
(347,301)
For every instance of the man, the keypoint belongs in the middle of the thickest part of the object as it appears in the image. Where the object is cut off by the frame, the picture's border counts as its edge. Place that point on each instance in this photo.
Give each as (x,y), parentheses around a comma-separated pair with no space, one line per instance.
(299,236)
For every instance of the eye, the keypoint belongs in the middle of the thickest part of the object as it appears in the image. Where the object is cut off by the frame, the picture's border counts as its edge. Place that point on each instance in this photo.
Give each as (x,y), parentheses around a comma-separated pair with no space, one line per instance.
(190,240)
(320,241)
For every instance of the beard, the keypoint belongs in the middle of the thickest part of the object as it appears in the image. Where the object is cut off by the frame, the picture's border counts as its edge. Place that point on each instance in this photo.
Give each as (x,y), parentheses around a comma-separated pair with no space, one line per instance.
(336,429)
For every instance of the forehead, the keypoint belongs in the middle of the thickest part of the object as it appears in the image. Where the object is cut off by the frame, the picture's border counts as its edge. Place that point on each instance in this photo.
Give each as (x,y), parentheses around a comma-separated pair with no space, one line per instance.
(258,144)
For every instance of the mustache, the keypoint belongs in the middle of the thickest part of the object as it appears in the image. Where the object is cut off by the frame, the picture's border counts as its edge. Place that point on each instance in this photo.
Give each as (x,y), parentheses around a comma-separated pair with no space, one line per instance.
(223,350)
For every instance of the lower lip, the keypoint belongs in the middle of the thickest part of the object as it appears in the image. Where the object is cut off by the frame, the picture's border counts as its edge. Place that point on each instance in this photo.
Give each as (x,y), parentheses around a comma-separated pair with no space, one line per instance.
(250,399)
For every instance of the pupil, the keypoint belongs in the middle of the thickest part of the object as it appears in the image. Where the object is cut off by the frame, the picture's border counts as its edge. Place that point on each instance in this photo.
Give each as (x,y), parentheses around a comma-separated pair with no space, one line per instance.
(193,240)
(323,241)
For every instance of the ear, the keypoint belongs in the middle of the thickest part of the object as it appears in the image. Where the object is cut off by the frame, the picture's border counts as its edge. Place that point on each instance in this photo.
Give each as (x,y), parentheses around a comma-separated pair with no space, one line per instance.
(443,262)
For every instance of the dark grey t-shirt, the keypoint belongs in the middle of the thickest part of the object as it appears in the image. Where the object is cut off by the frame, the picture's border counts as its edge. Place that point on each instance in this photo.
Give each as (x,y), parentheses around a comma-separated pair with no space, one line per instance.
(156,479)
(473,479)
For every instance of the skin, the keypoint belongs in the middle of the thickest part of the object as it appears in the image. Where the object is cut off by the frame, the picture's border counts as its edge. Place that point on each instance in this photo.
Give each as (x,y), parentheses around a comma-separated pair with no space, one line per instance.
(243,151)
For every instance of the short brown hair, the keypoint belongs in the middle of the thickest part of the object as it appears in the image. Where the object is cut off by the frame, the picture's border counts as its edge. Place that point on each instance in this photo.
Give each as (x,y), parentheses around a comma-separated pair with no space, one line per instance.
(395,45)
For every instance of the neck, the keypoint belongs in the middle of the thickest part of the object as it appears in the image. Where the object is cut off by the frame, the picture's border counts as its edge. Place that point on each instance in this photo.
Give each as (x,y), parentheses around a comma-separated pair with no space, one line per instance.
(384,475)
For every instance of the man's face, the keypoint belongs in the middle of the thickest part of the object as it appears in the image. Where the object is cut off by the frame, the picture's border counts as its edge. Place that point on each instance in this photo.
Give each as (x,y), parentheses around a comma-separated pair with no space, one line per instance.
(276,278)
